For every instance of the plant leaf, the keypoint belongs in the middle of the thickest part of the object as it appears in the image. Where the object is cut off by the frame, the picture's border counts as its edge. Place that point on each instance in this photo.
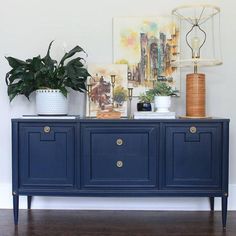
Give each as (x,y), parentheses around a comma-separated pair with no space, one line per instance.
(14,62)
(64,91)
(48,60)
(71,53)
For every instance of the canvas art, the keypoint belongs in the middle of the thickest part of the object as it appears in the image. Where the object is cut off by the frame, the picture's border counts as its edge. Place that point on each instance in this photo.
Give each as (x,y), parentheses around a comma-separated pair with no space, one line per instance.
(101,97)
(147,45)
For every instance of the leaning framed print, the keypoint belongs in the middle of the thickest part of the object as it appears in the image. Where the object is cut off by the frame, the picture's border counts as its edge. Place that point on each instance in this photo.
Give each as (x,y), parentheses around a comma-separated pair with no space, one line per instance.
(106,94)
(147,45)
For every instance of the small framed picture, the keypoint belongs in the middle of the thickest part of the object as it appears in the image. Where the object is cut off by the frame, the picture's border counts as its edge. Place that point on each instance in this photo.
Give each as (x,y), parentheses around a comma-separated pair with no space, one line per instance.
(106,94)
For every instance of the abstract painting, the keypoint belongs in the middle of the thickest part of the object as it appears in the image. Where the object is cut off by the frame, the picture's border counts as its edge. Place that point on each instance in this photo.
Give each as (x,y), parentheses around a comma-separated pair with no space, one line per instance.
(147,45)
(102,91)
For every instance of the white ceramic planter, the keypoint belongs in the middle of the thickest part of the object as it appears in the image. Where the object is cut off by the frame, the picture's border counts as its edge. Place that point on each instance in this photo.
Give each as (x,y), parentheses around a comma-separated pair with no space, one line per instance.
(51,102)
(162,103)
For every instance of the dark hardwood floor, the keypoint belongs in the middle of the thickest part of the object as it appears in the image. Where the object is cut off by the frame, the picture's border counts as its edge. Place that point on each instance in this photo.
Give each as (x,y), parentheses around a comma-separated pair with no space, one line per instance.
(115,223)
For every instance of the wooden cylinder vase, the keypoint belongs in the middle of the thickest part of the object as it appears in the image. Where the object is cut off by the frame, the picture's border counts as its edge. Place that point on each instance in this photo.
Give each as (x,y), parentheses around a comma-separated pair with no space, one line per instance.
(195,95)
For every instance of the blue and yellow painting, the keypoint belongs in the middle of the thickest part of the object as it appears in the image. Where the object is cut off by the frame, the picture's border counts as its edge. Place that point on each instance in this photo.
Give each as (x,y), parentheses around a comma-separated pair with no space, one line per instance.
(148,45)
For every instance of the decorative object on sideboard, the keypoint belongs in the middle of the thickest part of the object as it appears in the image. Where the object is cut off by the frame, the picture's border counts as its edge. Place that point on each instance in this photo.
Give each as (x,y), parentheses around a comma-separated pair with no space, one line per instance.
(51,102)
(120,96)
(108,90)
(154,115)
(89,92)
(112,113)
(199,27)
(130,96)
(162,93)
(113,81)
(147,45)
(49,79)
(144,103)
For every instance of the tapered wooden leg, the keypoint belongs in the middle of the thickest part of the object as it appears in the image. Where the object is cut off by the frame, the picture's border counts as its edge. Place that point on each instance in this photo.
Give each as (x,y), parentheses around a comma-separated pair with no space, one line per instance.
(16,208)
(29,200)
(212,203)
(224,210)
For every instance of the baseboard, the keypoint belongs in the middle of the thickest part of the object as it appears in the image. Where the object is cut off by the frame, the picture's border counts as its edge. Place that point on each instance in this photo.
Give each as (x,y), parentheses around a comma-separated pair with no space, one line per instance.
(111,203)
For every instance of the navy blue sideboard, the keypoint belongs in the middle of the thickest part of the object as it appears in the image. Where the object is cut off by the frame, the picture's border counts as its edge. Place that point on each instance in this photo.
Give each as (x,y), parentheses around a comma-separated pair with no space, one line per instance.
(90,157)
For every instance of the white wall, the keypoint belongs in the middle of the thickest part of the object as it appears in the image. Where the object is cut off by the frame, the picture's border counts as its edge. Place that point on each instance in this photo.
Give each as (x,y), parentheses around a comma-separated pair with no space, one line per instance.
(27,27)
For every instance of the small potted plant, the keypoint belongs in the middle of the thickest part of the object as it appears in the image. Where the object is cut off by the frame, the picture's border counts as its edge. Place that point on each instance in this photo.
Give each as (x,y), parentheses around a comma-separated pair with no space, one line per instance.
(49,79)
(162,93)
(145,100)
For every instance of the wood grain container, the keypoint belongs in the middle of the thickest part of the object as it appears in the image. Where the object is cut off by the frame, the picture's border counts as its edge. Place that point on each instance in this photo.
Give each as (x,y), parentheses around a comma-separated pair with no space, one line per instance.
(195,95)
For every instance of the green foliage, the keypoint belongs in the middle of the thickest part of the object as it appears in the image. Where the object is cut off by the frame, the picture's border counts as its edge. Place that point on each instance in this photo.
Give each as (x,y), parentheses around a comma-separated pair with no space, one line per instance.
(162,89)
(120,94)
(146,97)
(27,76)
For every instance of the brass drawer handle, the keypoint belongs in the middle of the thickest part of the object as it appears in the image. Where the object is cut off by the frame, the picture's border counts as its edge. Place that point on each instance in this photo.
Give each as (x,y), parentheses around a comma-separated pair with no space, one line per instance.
(193,129)
(119,164)
(46,129)
(119,141)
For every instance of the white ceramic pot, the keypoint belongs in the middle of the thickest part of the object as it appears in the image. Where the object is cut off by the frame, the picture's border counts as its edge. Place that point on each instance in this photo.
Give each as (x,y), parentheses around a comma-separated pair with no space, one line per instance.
(162,103)
(51,102)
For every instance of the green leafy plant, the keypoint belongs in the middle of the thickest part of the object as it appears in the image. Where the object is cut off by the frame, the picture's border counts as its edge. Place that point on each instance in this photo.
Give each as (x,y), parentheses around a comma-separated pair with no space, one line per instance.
(45,73)
(146,97)
(162,89)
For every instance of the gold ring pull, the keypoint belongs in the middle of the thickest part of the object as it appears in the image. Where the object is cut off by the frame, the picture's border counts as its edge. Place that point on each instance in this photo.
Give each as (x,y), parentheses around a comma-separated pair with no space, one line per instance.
(46,129)
(119,164)
(119,141)
(193,129)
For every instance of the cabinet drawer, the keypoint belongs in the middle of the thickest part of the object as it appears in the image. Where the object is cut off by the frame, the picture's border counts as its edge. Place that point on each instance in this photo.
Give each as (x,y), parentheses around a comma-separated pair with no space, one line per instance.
(119,156)
(46,155)
(193,156)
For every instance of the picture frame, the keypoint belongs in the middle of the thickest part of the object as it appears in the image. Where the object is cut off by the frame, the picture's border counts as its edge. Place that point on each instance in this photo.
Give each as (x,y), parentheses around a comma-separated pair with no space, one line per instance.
(148,46)
(105,95)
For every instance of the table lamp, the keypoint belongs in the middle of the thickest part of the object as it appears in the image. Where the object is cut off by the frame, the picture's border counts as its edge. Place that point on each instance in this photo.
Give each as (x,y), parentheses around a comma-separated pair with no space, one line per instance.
(200,45)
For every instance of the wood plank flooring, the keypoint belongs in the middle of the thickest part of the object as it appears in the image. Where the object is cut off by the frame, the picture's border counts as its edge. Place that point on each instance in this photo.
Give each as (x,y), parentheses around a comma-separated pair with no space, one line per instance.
(115,223)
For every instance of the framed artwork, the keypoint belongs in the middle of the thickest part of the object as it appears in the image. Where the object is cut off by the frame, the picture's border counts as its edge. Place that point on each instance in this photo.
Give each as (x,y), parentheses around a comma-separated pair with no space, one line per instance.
(147,45)
(103,95)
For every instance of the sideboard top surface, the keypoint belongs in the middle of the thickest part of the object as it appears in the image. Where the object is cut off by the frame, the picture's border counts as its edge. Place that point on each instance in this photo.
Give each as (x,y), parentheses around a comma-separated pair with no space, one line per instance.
(122,120)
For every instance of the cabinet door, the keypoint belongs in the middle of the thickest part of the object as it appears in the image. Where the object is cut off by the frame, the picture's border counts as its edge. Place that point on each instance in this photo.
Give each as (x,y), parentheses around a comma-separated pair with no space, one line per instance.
(119,156)
(192,156)
(46,155)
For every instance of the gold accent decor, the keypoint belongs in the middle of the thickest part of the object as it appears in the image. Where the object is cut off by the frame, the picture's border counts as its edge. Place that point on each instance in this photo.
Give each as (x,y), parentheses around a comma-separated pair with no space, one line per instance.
(193,129)
(113,81)
(89,92)
(119,141)
(46,129)
(119,164)
(130,96)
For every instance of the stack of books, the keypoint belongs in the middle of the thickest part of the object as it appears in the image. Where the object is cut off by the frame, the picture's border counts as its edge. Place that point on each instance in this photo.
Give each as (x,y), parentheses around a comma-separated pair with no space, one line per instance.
(154,115)
(69,117)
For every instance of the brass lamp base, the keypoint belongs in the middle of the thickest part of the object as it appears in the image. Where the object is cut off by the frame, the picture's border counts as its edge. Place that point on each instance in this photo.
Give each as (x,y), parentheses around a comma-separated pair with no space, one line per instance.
(195,96)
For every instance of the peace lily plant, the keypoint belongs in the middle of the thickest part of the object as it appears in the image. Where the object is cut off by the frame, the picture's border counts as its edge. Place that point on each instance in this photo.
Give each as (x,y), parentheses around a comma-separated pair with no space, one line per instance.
(50,79)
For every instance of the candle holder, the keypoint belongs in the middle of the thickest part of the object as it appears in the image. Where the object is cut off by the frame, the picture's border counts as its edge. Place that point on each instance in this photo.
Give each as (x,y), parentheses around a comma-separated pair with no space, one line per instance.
(130,96)
(113,81)
(89,92)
